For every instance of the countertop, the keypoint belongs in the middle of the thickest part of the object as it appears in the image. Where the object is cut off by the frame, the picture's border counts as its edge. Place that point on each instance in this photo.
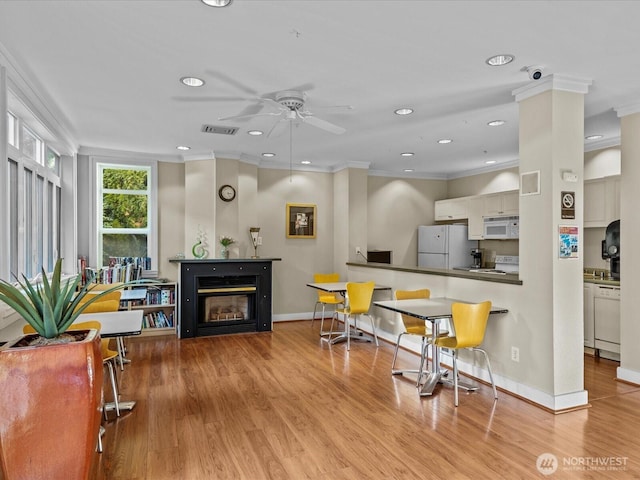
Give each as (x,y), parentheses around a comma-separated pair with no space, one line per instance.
(486,277)
(591,278)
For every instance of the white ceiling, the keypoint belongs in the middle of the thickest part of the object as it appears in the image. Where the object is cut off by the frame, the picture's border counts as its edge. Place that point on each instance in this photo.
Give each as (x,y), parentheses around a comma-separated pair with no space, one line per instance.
(113,69)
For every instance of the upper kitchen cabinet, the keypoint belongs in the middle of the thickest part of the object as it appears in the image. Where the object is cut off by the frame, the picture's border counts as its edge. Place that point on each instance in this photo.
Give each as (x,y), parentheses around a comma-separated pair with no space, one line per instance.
(601,201)
(476,221)
(451,209)
(503,203)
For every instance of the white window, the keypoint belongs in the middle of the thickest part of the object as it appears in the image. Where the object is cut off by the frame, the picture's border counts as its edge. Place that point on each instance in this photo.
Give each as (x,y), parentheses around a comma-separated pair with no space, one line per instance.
(12,130)
(34,212)
(125,213)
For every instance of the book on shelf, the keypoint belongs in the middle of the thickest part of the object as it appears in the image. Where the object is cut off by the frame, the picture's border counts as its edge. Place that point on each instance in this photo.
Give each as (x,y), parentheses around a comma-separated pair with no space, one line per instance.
(157,319)
(120,269)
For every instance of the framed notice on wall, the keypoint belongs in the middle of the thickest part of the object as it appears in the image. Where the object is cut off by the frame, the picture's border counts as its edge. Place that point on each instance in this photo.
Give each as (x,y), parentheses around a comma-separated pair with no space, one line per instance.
(568,237)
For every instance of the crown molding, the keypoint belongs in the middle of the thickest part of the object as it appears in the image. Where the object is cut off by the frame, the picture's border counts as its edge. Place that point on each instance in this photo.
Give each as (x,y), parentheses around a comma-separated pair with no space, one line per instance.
(556,81)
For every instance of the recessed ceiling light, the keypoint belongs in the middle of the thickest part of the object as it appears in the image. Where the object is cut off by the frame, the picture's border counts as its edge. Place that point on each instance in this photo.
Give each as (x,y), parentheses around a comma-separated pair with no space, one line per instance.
(445,140)
(305,162)
(404,111)
(496,123)
(192,81)
(593,137)
(255,132)
(490,162)
(407,154)
(408,170)
(268,154)
(217,3)
(183,147)
(500,60)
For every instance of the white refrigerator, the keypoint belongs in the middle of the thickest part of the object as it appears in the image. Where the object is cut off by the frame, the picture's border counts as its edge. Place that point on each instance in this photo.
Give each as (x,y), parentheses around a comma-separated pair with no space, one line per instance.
(444,246)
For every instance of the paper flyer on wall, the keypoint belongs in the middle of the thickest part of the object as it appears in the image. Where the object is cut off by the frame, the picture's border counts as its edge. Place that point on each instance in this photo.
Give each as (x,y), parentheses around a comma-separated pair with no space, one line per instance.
(568,242)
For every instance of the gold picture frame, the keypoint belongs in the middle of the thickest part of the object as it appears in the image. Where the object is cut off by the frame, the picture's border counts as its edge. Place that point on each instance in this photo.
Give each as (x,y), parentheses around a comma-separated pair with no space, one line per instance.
(300,220)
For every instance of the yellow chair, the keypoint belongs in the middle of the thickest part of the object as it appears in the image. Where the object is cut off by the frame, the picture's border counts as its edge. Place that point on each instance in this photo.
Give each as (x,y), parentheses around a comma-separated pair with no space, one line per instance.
(326,298)
(417,327)
(358,303)
(109,302)
(470,323)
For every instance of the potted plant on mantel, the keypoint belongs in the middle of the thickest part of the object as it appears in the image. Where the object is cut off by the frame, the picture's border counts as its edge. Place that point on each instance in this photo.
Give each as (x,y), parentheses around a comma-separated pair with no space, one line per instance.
(50,382)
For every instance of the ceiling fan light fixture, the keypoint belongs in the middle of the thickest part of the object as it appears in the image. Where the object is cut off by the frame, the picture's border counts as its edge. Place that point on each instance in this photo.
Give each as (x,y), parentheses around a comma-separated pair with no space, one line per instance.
(593,137)
(444,141)
(496,123)
(268,154)
(403,111)
(255,133)
(500,60)
(217,3)
(192,81)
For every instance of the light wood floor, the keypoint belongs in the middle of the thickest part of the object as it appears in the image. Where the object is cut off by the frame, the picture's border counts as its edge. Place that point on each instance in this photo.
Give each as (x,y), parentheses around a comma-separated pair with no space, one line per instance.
(283,405)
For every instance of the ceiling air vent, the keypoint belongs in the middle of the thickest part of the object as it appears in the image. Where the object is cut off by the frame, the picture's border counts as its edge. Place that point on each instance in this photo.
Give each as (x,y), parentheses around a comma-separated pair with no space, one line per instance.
(219,130)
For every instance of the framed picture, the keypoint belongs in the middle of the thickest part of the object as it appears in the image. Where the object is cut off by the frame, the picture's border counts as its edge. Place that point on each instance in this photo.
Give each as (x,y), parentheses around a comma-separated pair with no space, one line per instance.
(301,220)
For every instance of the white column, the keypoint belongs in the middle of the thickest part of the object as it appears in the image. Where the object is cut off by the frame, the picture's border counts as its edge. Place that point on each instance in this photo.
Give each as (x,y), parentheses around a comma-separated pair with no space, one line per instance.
(551,144)
(4,181)
(629,369)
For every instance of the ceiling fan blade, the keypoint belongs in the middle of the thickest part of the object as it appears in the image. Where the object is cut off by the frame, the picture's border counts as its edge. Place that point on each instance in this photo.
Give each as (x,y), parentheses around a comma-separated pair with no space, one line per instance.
(232,81)
(273,104)
(210,99)
(323,124)
(332,107)
(251,115)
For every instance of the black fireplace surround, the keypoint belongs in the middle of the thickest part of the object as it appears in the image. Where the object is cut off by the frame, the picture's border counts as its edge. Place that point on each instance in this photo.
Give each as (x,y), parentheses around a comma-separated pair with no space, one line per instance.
(223,296)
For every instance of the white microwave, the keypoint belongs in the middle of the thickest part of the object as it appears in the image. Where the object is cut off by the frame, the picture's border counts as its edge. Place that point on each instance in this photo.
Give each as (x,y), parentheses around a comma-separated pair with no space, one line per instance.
(501,228)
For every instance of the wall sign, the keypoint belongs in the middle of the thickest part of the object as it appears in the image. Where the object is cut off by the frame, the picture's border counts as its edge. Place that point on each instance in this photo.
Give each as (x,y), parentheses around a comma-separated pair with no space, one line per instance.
(568,237)
(568,205)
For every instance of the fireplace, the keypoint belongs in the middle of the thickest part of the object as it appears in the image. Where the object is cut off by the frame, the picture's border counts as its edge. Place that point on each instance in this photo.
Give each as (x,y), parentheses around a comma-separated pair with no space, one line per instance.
(226,304)
(224,296)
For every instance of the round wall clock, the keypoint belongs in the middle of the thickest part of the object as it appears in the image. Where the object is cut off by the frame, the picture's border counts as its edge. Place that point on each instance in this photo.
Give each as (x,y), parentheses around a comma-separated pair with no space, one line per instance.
(227,193)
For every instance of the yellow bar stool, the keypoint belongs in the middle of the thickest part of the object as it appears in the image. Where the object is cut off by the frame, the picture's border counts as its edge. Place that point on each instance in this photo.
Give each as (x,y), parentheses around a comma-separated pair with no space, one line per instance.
(326,298)
(415,326)
(470,323)
(359,301)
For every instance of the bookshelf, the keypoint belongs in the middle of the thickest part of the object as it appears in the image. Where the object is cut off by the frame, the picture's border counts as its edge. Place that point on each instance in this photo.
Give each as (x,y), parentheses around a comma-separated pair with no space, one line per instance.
(158,305)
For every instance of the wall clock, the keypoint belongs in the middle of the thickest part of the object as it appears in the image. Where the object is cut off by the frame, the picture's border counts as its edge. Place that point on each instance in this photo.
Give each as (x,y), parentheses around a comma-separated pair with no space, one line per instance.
(227,193)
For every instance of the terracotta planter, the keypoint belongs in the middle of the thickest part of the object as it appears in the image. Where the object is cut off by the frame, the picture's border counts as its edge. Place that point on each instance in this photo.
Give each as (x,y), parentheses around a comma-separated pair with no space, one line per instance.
(50,409)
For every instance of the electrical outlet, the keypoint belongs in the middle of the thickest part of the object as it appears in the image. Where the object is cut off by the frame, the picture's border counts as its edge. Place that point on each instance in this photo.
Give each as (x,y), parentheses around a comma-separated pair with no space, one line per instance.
(358,251)
(515,354)
(259,241)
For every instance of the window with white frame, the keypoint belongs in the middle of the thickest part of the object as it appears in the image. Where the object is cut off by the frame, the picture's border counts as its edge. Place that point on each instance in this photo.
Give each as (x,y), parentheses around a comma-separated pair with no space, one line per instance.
(124,212)
(34,198)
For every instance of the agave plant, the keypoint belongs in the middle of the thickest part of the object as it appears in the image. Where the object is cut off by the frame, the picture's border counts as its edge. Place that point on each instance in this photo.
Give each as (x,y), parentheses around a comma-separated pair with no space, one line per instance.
(52,306)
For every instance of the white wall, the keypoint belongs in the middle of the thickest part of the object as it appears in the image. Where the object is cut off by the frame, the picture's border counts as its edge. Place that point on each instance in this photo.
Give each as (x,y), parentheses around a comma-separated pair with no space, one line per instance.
(396,206)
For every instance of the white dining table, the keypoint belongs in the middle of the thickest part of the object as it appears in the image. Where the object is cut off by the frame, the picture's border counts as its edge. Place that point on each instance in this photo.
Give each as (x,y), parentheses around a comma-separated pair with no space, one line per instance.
(432,310)
(123,323)
(341,288)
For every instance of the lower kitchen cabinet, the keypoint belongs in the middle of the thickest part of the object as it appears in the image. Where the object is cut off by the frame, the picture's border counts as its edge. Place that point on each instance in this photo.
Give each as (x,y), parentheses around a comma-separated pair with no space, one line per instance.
(606,313)
(589,321)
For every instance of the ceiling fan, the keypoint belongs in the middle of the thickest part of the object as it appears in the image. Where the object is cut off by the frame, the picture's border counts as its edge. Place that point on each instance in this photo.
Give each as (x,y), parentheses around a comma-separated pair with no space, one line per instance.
(289,105)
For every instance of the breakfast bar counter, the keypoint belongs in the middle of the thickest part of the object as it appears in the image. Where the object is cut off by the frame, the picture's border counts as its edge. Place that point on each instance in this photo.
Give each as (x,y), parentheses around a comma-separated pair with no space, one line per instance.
(508,278)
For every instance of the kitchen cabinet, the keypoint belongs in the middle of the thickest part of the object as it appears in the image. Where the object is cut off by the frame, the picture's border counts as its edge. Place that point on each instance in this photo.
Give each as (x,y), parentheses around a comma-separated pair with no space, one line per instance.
(601,201)
(451,209)
(475,208)
(606,313)
(503,203)
(589,322)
